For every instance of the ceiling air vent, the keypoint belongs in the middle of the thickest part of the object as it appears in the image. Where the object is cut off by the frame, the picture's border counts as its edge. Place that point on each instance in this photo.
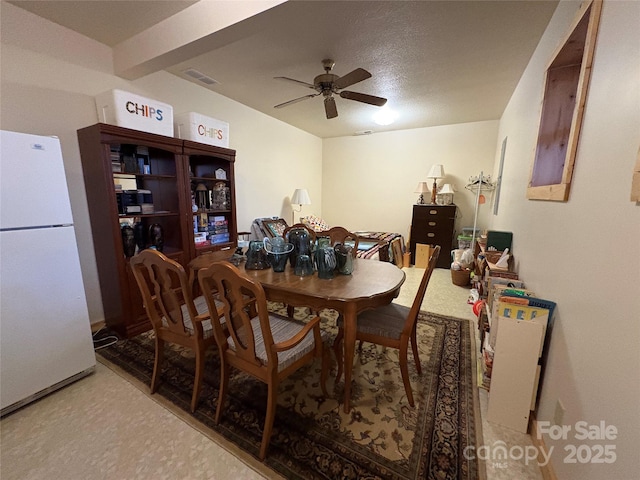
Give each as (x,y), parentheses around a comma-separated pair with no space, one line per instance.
(201,77)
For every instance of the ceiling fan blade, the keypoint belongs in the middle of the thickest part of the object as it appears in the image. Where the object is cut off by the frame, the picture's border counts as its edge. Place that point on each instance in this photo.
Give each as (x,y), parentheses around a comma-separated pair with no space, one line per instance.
(295,100)
(309,85)
(363,97)
(350,78)
(330,107)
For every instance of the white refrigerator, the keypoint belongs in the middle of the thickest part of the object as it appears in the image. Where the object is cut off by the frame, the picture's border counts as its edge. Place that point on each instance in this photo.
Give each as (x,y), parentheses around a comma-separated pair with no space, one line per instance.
(45,334)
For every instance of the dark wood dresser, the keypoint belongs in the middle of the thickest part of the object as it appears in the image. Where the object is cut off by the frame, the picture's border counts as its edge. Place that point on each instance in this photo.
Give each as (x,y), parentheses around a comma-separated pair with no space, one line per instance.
(433,225)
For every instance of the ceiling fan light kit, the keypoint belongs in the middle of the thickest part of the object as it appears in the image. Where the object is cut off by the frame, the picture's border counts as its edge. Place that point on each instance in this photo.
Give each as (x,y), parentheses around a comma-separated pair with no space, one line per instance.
(327,84)
(385,116)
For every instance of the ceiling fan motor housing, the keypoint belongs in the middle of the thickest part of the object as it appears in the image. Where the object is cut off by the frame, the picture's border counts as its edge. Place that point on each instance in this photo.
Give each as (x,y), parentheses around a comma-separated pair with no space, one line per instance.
(325,83)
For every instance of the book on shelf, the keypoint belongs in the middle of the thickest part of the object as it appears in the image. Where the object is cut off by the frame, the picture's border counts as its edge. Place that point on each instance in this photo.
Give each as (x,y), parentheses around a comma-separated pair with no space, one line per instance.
(496,290)
(501,274)
(218,225)
(219,238)
(509,282)
(486,365)
(218,229)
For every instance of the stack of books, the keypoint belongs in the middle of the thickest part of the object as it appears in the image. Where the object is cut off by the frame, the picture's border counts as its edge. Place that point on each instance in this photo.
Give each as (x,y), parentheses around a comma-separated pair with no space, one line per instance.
(218,230)
(116,161)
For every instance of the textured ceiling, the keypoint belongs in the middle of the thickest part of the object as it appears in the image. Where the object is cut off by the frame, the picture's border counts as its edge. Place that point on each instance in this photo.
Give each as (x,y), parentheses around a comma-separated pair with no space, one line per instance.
(107,21)
(437,62)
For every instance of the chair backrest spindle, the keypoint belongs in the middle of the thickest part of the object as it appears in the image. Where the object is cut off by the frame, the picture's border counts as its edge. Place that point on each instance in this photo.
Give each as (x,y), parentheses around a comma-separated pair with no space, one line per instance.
(311,232)
(241,298)
(165,290)
(341,235)
(422,289)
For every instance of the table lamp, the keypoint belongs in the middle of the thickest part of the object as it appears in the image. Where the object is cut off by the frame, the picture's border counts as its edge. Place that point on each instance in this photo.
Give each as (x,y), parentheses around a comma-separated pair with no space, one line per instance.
(436,172)
(422,188)
(445,195)
(300,197)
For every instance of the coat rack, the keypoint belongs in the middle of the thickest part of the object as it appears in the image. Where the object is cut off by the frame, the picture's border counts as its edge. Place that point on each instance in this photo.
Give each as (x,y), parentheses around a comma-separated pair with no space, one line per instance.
(479,184)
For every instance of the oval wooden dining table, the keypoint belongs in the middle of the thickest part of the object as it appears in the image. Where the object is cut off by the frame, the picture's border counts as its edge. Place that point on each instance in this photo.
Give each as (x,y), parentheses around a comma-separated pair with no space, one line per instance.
(372,284)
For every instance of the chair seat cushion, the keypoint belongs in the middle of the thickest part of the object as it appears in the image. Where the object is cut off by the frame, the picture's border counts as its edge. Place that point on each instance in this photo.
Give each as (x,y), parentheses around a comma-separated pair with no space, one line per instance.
(387,321)
(282,328)
(201,307)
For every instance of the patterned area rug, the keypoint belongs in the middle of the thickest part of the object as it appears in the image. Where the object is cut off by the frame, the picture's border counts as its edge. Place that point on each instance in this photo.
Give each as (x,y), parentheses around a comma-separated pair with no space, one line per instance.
(382,437)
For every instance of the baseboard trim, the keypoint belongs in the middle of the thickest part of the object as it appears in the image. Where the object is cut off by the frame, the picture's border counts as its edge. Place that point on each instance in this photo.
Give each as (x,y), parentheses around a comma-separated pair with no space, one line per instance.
(538,441)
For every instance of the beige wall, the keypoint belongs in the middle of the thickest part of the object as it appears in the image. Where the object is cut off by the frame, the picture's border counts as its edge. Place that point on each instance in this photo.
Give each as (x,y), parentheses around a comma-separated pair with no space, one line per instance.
(583,254)
(369,181)
(49,77)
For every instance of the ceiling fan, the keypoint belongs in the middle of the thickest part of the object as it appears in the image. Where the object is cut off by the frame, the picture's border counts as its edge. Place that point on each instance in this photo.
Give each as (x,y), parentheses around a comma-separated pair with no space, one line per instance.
(327,84)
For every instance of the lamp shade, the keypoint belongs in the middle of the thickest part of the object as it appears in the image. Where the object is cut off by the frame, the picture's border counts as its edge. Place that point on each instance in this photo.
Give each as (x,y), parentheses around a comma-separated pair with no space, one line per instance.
(445,195)
(446,188)
(437,171)
(301,197)
(422,188)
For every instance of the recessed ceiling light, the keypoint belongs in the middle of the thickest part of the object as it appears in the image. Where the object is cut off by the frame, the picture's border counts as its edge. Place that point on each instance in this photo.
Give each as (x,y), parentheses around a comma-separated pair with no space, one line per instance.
(385,116)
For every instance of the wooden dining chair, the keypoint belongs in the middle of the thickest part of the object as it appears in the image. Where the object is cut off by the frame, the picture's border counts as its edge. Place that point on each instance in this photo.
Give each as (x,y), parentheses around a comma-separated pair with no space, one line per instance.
(312,233)
(392,326)
(175,315)
(341,235)
(268,346)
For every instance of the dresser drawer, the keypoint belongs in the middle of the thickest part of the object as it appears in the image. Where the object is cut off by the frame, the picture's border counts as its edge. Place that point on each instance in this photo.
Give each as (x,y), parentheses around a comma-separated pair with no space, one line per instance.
(429,237)
(434,225)
(434,212)
(441,231)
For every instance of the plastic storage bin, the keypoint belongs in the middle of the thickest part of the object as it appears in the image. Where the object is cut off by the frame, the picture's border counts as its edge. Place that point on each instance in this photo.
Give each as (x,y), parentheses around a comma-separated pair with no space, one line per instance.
(203,129)
(124,109)
(464,242)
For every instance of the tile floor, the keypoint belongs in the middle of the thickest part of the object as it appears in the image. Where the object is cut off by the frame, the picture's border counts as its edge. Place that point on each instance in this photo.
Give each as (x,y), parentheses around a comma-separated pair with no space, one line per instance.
(103,427)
